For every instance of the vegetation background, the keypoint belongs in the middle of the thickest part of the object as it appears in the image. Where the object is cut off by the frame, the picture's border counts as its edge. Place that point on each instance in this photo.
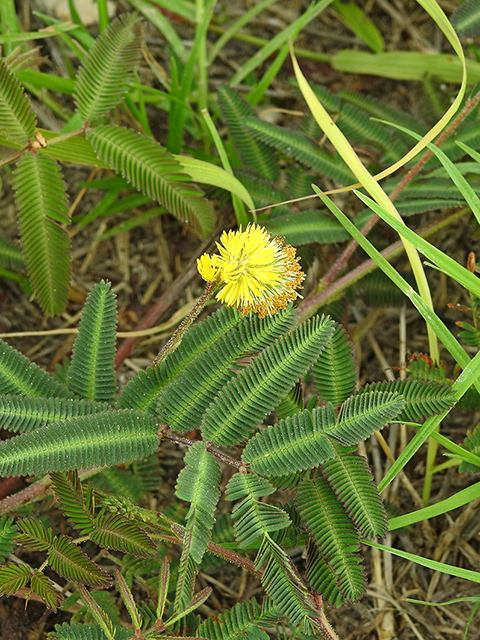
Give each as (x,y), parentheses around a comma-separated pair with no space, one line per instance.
(149,256)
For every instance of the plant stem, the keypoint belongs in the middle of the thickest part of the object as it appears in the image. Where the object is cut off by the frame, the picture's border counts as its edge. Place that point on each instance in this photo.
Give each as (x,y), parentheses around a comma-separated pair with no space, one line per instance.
(176,338)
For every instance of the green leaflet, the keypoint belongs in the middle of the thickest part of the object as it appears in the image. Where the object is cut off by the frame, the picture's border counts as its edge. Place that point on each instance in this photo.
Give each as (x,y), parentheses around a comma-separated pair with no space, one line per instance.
(294,444)
(282,584)
(252,518)
(258,389)
(422,399)
(7,531)
(107,72)
(350,477)
(154,172)
(255,154)
(335,372)
(198,484)
(77,631)
(334,533)
(91,374)
(114,531)
(41,200)
(306,227)
(184,401)
(142,391)
(20,376)
(20,413)
(98,440)
(297,145)
(322,577)
(17,118)
(242,621)
(363,413)
(63,555)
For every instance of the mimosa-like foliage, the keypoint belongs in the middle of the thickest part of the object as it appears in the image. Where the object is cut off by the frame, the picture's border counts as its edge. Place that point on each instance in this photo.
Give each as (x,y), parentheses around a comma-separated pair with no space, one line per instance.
(254,364)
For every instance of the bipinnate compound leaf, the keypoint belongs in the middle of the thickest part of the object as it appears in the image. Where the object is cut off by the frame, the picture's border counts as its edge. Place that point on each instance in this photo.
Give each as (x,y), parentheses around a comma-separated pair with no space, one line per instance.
(41,200)
(253,518)
(294,444)
(184,401)
(350,477)
(258,389)
(108,69)
(17,118)
(91,374)
(99,440)
(20,376)
(334,372)
(366,412)
(334,533)
(155,172)
(198,483)
(7,531)
(19,413)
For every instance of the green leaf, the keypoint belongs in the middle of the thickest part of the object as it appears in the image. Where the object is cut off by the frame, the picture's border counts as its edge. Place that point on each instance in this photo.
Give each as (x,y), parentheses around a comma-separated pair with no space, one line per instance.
(20,413)
(321,577)
(284,586)
(350,477)
(77,631)
(242,622)
(91,374)
(17,118)
(184,401)
(19,376)
(422,399)
(45,589)
(335,371)
(198,484)
(66,559)
(364,413)
(155,172)
(114,531)
(306,227)
(41,199)
(142,392)
(297,145)
(7,531)
(334,533)
(104,439)
(68,490)
(253,518)
(258,389)
(466,19)
(294,444)
(13,577)
(254,154)
(34,534)
(108,70)
(354,18)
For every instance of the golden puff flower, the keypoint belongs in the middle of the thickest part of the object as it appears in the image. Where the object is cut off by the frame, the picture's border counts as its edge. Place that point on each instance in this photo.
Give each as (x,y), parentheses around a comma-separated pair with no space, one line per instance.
(254,271)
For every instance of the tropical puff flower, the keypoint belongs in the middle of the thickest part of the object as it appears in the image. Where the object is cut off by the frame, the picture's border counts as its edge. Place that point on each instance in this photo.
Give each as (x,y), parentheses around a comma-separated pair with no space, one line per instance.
(255,272)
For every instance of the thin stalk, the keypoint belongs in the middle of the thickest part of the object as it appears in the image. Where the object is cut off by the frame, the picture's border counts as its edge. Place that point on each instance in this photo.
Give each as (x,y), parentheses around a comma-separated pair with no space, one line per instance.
(176,338)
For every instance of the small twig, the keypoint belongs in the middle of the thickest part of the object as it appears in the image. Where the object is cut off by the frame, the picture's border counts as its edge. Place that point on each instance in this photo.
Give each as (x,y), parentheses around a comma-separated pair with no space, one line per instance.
(189,443)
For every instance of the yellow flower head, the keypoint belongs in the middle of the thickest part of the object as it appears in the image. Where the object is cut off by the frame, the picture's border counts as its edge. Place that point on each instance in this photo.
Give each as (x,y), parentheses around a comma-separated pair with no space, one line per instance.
(255,271)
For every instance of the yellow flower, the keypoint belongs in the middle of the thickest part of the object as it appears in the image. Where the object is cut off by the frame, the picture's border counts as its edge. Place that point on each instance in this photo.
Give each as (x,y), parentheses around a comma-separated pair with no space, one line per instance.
(255,271)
